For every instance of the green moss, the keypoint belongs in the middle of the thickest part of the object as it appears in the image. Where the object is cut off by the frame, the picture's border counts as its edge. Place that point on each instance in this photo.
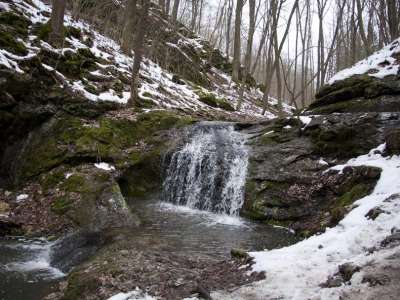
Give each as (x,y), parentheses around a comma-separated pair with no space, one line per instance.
(356,105)
(52,179)
(17,23)
(61,205)
(75,64)
(73,32)
(90,87)
(9,43)
(339,142)
(357,192)
(214,101)
(278,223)
(79,284)
(67,138)
(76,183)
(42,30)
(118,86)
(147,94)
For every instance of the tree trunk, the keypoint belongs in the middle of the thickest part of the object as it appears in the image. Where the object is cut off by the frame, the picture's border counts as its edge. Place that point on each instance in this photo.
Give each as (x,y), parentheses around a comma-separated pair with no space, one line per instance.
(162,5)
(175,9)
(393,18)
(139,47)
(249,50)
(57,23)
(237,41)
(129,27)
(228,28)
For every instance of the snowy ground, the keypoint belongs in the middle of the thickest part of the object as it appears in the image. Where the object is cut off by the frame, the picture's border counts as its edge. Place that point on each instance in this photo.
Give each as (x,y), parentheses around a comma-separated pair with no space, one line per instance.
(159,87)
(380,64)
(296,272)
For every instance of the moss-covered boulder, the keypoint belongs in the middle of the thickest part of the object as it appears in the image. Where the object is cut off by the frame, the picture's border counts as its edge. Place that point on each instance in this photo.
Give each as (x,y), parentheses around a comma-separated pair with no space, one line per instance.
(72,140)
(359,93)
(12,27)
(214,101)
(287,183)
(91,199)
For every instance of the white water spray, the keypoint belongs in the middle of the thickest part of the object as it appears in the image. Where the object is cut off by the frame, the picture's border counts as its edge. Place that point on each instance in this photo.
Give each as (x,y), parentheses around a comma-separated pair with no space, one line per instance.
(209,172)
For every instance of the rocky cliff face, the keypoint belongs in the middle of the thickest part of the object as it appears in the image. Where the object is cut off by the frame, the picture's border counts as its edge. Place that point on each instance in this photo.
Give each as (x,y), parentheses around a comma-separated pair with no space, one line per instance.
(68,143)
(356,112)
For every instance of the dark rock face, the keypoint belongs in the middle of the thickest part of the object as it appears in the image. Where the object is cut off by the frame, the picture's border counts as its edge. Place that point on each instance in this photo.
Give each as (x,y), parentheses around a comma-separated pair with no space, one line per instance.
(392,137)
(359,93)
(47,133)
(344,275)
(286,182)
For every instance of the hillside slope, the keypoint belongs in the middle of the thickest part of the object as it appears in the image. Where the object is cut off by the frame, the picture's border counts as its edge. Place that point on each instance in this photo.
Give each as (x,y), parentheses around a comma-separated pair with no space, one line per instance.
(370,85)
(92,66)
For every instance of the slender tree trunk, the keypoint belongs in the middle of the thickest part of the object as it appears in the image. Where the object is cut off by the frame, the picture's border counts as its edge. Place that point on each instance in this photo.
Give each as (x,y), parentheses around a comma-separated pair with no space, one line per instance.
(129,27)
(361,28)
(237,41)
(139,47)
(175,10)
(162,5)
(228,28)
(57,23)
(393,18)
(249,50)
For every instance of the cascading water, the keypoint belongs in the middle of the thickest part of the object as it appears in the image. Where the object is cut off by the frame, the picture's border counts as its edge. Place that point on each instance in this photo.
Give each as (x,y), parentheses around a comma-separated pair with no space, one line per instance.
(209,172)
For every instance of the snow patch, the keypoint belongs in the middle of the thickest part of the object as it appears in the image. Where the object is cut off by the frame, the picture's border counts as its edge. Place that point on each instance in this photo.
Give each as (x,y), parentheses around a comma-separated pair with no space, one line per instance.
(105,166)
(295,272)
(379,65)
(22,197)
(137,294)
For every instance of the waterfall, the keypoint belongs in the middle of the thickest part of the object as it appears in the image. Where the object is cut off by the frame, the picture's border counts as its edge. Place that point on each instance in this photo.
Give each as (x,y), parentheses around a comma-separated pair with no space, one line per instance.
(209,171)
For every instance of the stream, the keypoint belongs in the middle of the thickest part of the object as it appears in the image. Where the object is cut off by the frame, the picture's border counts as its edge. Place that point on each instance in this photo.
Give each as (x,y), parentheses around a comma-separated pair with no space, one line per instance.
(196,214)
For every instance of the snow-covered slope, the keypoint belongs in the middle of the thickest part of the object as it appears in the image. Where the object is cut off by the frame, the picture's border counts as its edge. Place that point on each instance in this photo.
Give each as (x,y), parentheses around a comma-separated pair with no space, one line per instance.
(108,78)
(296,272)
(382,63)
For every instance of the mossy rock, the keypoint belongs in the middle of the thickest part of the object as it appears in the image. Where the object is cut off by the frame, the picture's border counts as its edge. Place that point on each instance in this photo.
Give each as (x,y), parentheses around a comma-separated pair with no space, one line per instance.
(51,179)
(61,205)
(76,64)
(357,192)
(16,23)
(339,142)
(71,63)
(9,43)
(214,101)
(43,30)
(74,32)
(68,139)
(357,87)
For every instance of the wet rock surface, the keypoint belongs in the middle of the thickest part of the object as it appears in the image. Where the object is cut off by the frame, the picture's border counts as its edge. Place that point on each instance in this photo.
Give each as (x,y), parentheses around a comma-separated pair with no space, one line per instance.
(124,265)
(287,181)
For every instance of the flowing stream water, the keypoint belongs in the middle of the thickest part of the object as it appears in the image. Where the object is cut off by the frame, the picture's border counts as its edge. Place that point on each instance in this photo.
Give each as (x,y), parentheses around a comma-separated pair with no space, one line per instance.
(209,172)
(197,214)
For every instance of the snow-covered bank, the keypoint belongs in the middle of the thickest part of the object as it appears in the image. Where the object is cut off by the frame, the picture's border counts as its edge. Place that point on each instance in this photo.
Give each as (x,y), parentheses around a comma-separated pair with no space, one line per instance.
(380,64)
(296,272)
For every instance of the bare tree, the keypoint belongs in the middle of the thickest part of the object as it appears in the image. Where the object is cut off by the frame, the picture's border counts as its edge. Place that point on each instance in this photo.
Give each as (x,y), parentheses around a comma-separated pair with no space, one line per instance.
(139,47)
(57,22)
(129,27)
(393,18)
(237,48)
(175,9)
